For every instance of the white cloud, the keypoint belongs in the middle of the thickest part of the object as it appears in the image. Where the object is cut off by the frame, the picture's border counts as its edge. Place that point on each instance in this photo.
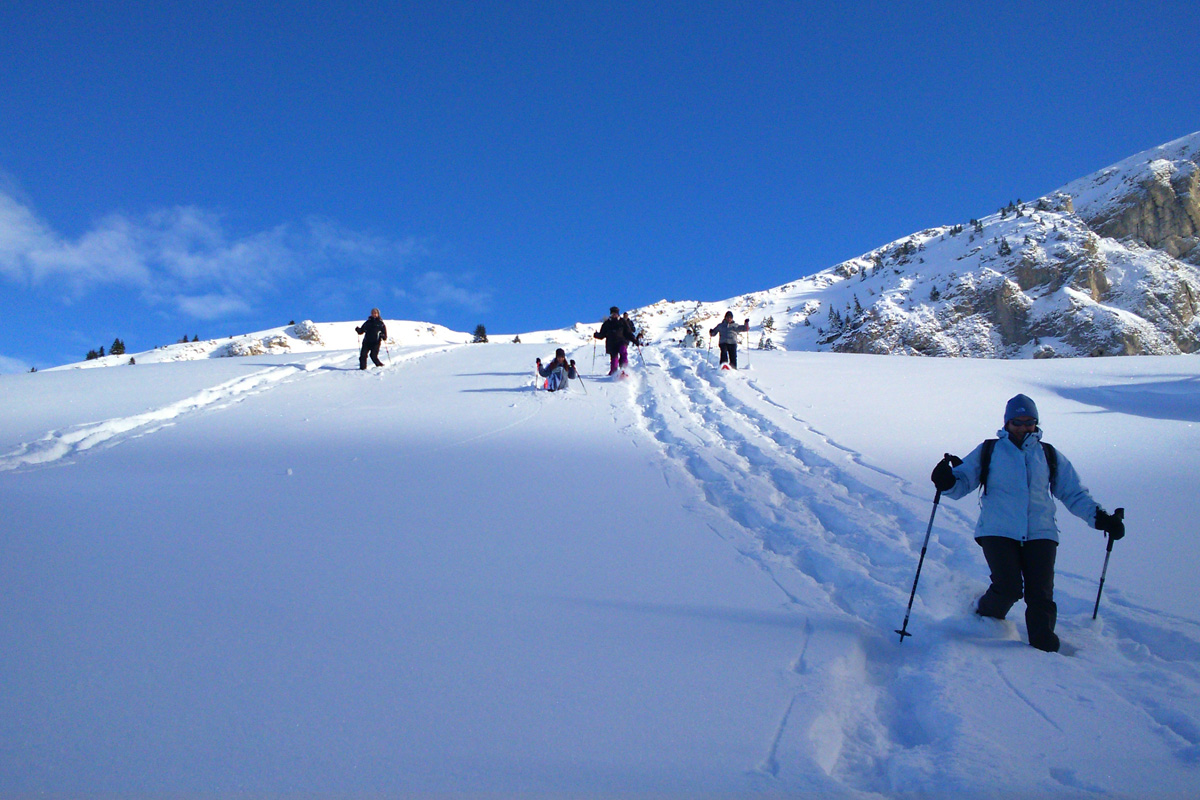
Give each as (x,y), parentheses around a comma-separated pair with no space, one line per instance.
(187,258)
(211,306)
(9,366)
(433,290)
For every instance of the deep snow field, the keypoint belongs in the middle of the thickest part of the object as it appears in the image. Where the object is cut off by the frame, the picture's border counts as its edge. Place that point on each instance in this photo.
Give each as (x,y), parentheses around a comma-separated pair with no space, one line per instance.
(278,575)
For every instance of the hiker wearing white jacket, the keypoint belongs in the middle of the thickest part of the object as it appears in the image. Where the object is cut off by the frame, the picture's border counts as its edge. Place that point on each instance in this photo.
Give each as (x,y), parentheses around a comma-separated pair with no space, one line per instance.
(1021,476)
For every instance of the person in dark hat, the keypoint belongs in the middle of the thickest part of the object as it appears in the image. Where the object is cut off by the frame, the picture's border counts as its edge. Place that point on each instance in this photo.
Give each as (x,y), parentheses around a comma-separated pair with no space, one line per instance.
(559,372)
(616,335)
(728,341)
(1021,475)
(374,332)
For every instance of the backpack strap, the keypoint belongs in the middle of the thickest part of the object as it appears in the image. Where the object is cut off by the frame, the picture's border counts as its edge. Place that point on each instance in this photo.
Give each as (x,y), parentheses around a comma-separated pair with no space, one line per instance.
(1052,462)
(985,462)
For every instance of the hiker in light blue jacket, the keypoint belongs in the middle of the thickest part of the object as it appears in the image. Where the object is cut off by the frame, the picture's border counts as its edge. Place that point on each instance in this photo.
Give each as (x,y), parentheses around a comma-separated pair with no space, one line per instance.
(1021,476)
(559,372)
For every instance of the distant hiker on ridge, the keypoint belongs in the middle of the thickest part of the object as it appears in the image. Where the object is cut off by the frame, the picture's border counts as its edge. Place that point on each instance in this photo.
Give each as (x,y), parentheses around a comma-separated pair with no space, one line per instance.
(558,373)
(1021,475)
(373,332)
(616,335)
(728,342)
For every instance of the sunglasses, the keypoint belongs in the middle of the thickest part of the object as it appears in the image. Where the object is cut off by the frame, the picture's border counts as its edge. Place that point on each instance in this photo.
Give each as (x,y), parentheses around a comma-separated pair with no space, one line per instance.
(1023,423)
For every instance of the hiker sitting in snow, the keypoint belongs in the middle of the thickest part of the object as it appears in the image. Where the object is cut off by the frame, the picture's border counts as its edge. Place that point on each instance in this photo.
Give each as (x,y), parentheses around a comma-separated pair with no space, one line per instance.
(374,333)
(558,373)
(1021,475)
(729,331)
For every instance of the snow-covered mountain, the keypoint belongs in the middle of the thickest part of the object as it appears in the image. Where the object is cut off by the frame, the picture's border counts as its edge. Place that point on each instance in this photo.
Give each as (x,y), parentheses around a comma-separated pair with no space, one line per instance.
(1105,265)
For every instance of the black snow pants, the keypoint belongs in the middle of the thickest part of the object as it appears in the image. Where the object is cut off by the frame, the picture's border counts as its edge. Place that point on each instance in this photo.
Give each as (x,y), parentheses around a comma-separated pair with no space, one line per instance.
(372,349)
(1022,569)
(729,353)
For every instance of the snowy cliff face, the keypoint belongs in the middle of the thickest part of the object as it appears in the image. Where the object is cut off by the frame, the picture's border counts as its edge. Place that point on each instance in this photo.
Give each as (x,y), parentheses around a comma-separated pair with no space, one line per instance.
(1104,266)
(1153,197)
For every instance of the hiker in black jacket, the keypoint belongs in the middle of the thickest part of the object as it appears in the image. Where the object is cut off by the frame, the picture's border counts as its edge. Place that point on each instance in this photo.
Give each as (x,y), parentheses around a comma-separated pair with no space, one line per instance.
(616,335)
(374,332)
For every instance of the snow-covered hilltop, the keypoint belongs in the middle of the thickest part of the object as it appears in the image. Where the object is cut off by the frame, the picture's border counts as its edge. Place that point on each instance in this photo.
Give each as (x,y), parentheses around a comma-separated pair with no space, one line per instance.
(1107,265)
(299,337)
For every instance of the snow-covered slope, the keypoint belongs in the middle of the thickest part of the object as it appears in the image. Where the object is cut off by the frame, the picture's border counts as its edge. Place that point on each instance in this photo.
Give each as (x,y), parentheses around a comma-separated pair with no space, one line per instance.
(277,575)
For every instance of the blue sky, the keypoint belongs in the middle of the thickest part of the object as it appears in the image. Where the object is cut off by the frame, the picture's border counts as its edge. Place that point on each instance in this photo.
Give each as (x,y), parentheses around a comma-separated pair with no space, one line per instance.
(214,168)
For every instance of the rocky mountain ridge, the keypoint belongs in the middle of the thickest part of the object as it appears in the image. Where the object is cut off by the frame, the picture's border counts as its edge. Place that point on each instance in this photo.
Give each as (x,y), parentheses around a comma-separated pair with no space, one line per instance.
(1106,265)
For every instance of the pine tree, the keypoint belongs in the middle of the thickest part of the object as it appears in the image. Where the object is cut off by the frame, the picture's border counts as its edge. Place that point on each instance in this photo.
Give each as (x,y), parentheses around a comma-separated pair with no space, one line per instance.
(196,338)
(117,349)
(480,335)
(1005,247)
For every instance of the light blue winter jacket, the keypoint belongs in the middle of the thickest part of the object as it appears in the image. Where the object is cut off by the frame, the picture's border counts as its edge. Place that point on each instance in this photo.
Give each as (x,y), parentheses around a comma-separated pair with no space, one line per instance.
(1018,502)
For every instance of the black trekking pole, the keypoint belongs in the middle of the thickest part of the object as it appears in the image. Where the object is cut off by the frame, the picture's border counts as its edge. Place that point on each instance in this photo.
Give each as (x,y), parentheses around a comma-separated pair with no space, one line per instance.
(903,631)
(747,342)
(639,349)
(580,377)
(1119,514)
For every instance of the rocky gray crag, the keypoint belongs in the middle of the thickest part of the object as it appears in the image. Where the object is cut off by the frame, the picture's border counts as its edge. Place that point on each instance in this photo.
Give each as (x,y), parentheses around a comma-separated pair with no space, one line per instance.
(1107,265)
(1104,266)
(1152,198)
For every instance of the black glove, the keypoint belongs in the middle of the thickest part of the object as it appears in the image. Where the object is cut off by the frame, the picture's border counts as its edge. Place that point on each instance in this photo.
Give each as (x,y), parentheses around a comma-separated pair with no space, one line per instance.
(1112,524)
(943,474)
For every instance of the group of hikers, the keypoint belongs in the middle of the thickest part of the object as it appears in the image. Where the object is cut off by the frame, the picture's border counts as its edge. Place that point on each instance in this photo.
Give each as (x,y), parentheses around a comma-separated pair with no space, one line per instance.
(617,332)
(1019,474)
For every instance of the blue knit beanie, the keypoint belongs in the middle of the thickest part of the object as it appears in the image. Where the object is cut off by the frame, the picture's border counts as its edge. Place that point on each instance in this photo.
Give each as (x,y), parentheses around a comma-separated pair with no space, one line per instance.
(1020,406)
